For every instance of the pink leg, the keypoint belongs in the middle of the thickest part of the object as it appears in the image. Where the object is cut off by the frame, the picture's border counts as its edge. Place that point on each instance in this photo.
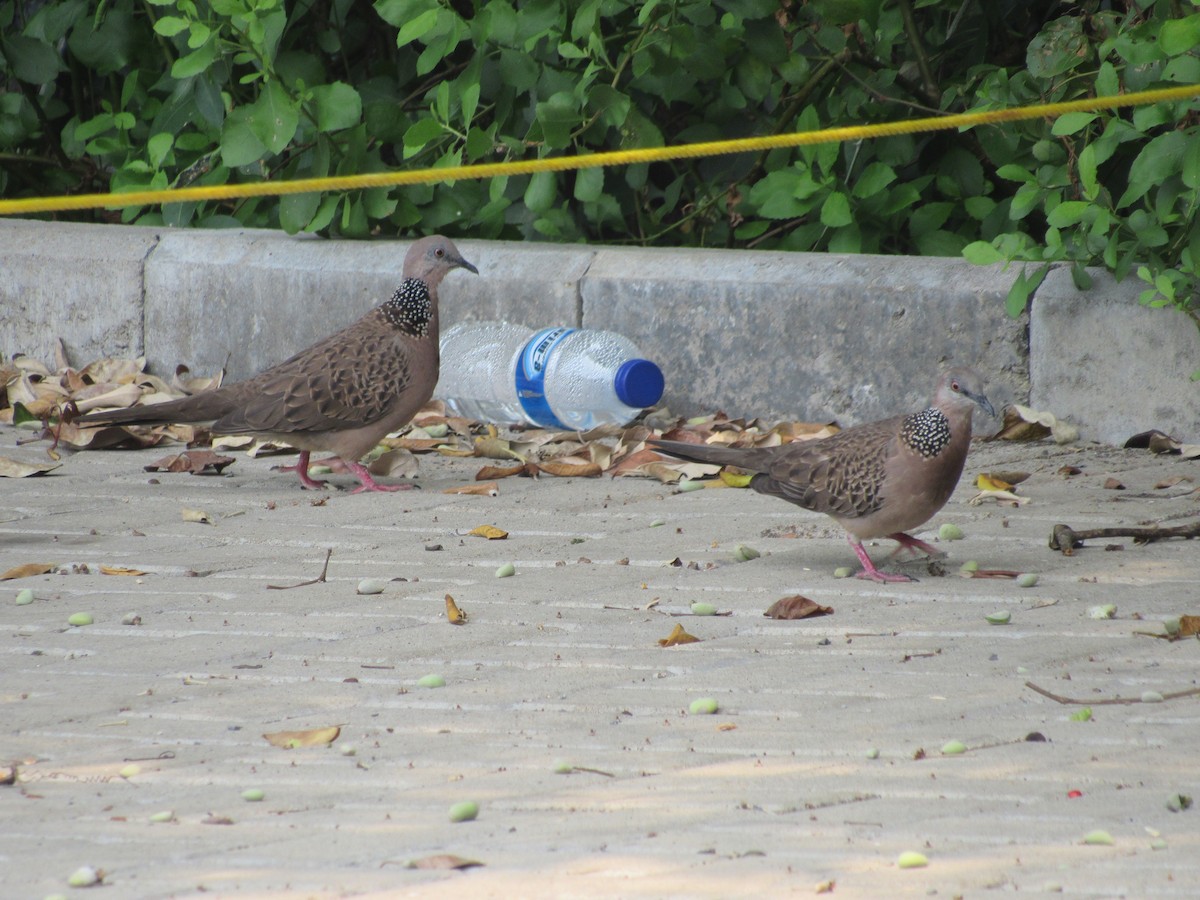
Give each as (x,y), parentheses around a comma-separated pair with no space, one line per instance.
(367,483)
(869,571)
(913,546)
(301,469)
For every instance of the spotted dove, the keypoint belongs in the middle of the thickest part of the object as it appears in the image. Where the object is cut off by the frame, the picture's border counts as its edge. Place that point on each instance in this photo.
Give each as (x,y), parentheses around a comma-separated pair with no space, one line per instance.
(341,395)
(879,479)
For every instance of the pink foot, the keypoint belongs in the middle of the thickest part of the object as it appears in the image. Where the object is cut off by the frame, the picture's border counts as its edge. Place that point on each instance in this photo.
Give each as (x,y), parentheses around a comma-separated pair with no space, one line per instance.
(367,483)
(914,546)
(301,469)
(869,572)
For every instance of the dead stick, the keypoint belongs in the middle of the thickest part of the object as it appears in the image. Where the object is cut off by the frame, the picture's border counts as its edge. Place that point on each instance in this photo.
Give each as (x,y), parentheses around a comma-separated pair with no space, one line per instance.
(1066,539)
(320,579)
(1113,701)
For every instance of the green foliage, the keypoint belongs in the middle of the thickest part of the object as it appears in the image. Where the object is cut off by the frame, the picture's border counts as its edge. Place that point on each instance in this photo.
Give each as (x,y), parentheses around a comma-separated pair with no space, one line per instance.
(132,94)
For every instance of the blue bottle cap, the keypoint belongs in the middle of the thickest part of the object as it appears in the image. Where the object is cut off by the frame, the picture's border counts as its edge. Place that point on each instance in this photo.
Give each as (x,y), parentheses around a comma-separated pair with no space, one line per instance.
(639,383)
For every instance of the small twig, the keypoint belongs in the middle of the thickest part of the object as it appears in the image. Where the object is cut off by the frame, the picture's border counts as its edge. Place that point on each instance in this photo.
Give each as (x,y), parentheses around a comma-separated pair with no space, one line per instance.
(166,754)
(320,579)
(1113,701)
(593,771)
(994,573)
(1066,539)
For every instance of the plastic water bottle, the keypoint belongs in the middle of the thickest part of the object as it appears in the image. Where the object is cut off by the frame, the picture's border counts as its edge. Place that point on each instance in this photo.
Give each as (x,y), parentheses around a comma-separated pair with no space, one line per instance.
(555,377)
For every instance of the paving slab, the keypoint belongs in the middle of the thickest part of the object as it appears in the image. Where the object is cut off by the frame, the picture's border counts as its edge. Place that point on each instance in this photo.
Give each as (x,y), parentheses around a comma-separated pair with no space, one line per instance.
(771,796)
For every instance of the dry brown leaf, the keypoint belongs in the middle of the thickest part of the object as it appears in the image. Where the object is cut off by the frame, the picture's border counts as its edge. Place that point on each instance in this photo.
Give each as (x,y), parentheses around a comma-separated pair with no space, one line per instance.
(492,447)
(571,467)
(1189,626)
(313,737)
(796,607)
(1171,482)
(1068,471)
(483,488)
(1017,428)
(490,473)
(119,570)
(397,462)
(454,615)
(442,861)
(27,570)
(196,462)
(678,636)
(185,383)
(12,468)
(491,532)
(118,398)
(414,445)
(1113,484)
(121,371)
(196,515)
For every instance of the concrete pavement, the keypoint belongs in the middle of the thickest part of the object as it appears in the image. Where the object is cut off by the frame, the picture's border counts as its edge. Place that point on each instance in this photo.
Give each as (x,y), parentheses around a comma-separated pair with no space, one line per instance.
(772,796)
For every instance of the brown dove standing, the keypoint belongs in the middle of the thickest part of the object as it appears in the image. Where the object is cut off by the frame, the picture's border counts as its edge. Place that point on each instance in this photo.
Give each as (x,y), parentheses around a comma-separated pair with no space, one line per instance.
(341,395)
(880,479)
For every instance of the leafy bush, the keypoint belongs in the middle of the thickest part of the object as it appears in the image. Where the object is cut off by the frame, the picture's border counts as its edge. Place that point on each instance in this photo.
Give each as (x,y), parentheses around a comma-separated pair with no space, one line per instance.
(124,94)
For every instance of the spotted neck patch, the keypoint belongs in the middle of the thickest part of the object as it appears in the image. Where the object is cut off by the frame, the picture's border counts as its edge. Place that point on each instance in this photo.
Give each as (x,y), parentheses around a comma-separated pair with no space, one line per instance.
(410,308)
(926,432)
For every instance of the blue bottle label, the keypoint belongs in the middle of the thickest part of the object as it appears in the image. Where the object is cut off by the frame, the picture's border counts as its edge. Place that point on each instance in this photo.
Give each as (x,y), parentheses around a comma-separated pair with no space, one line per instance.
(531,376)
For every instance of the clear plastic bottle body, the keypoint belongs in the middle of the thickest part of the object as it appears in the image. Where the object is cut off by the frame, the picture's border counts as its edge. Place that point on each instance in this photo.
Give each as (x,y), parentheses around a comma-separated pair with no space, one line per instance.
(472,355)
(579,379)
(555,377)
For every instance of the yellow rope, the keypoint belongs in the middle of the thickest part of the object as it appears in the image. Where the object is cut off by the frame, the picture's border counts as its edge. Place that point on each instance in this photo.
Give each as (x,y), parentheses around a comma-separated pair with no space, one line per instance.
(612,158)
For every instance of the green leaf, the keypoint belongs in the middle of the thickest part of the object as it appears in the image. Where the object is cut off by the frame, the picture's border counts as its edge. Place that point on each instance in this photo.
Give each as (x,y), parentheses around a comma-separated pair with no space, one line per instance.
(325,213)
(158,147)
(338,106)
(1069,123)
(1027,198)
(1157,161)
(558,116)
(297,210)
(1022,289)
(417,27)
(1178,36)
(1190,171)
(240,146)
(1108,84)
(982,253)
(32,61)
(1013,172)
(835,211)
(169,26)
(1067,213)
(468,101)
(85,131)
(874,179)
(539,195)
(195,62)
(274,117)
(1087,172)
(589,183)
(420,133)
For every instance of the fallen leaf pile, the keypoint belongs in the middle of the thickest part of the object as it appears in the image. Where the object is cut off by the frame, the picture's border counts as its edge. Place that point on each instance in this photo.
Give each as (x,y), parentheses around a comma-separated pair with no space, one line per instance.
(1024,424)
(32,393)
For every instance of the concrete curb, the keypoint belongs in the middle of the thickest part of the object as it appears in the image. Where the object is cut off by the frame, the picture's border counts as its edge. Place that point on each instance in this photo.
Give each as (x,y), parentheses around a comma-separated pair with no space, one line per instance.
(772,334)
